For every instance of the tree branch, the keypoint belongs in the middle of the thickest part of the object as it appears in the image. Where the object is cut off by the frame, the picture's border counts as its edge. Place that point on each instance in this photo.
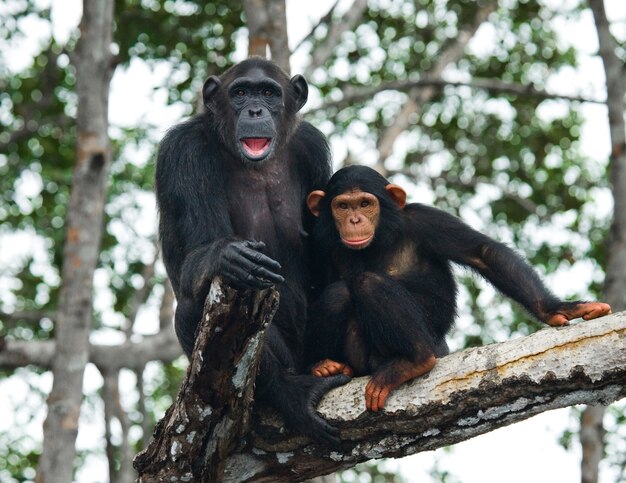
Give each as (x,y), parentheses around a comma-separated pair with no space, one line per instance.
(113,410)
(348,23)
(467,393)
(162,347)
(418,97)
(326,19)
(212,411)
(85,215)
(353,95)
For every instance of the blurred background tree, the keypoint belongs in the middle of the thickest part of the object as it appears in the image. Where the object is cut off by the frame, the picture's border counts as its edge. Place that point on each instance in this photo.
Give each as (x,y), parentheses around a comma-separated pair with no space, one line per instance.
(480,108)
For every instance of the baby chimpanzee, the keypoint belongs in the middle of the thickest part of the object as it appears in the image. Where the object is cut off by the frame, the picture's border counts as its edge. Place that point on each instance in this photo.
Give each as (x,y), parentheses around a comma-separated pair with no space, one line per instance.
(392,296)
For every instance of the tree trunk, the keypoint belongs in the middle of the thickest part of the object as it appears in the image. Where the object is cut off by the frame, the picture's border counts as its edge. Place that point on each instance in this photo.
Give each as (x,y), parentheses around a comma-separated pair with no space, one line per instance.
(592,431)
(592,442)
(257,22)
(267,29)
(82,244)
(279,40)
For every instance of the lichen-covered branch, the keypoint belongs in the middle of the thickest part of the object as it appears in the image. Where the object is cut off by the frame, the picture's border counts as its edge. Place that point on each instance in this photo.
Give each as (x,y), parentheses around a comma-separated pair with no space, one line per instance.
(206,435)
(467,393)
(212,411)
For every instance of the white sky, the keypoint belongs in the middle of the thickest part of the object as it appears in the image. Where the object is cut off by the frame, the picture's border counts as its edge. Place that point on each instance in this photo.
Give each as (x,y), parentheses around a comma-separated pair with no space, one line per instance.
(524,452)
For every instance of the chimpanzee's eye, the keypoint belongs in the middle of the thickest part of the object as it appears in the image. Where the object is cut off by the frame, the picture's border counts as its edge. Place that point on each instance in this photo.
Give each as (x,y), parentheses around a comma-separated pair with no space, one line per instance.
(365,203)
(240,92)
(268,93)
(343,206)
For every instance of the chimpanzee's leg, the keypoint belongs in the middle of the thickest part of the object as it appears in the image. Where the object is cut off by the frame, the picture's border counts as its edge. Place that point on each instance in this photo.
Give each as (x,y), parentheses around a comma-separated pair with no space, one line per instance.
(397,328)
(326,332)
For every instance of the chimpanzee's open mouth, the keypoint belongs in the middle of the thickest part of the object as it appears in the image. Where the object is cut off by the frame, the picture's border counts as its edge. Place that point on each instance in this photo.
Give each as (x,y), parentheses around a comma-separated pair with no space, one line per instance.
(256,148)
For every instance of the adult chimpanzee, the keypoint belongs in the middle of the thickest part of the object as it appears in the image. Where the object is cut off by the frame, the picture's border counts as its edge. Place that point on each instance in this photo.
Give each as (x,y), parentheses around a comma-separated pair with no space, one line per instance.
(231,185)
(393,298)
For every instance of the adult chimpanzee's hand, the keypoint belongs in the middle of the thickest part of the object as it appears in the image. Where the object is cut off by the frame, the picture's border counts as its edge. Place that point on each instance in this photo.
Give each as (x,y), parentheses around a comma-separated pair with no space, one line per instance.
(244,266)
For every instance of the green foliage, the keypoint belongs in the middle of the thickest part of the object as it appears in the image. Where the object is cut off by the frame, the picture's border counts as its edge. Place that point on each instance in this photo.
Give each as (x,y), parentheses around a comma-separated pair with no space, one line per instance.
(18,458)
(512,163)
(195,37)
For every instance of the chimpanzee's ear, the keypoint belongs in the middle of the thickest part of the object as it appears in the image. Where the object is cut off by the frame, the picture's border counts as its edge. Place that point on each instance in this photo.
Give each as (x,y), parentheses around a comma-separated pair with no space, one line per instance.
(211,86)
(398,195)
(313,201)
(302,90)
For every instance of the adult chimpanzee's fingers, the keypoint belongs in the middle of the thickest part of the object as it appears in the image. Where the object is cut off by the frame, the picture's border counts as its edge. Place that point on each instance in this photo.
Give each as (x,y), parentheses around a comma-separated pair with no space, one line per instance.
(321,428)
(259,258)
(258,282)
(263,260)
(265,274)
(243,264)
(242,278)
(259,265)
(259,246)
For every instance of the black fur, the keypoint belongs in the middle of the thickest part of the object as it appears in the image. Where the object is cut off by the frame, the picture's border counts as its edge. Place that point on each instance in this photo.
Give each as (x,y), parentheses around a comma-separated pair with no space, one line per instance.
(223,212)
(404,311)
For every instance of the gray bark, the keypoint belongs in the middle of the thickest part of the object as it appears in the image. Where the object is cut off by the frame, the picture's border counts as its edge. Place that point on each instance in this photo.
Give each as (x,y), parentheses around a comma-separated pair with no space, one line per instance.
(212,412)
(257,21)
(279,40)
(94,70)
(267,29)
(133,355)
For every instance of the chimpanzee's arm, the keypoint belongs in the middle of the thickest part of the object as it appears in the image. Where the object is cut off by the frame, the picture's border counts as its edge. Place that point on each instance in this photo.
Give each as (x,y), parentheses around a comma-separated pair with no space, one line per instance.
(449,237)
(195,231)
(195,228)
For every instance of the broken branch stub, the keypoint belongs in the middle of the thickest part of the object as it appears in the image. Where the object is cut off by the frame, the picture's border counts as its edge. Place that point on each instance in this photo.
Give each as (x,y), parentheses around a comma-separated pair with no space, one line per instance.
(211,413)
